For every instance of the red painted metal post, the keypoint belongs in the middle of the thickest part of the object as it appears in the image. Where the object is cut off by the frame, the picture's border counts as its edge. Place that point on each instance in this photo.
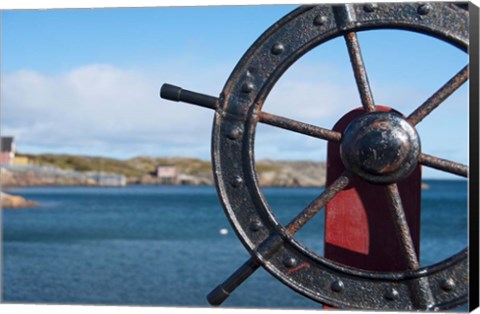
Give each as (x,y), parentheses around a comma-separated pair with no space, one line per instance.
(359,229)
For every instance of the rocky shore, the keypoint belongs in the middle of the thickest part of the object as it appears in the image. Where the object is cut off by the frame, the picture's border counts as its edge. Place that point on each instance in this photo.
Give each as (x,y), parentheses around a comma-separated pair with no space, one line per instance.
(14,201)
(291,173)
(43,176)
(270,173)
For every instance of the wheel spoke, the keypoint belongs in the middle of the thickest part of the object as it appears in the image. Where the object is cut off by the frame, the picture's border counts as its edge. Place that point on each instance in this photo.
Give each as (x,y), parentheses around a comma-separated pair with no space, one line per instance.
(443,164)
(175,93)
(299,127)
(265,249)
(359,71)
(422,295)
(436,99)
(218,295)
(401,226)
(314,207)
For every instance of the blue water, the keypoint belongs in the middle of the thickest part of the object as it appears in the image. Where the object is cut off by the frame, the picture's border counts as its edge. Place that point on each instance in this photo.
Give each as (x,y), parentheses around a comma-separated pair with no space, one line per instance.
(158,245)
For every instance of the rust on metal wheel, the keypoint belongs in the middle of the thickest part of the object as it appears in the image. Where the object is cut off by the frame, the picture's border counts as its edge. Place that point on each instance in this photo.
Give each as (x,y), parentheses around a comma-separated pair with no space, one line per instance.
(272,245)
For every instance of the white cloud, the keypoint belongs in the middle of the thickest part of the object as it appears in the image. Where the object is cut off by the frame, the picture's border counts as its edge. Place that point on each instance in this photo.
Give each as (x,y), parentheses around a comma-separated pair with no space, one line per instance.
(96,109)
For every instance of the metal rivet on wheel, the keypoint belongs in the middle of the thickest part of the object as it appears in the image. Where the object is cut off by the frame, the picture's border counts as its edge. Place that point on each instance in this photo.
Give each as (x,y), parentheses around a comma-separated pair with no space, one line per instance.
(277,49)
(290,262)
(234,133)
(337,286)
(320,20)
(370,7)
(255,225)
(237,181)
(424,9)
(391,294)
(247,87)
(447,284)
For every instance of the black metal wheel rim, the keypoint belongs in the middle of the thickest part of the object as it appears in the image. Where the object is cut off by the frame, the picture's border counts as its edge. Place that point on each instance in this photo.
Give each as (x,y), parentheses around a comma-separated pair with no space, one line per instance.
(440,286)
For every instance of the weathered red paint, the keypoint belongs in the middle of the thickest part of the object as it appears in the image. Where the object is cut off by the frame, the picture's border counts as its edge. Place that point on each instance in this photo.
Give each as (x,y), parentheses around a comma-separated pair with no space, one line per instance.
(302,265)
(359,230)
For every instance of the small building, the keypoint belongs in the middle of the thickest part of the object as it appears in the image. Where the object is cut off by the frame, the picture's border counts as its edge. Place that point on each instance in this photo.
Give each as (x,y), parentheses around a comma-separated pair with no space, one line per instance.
(7,153)
(109,179)
(166,174)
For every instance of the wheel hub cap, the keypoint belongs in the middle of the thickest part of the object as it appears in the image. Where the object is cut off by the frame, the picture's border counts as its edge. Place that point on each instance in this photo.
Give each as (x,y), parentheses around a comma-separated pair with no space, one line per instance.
(380,147)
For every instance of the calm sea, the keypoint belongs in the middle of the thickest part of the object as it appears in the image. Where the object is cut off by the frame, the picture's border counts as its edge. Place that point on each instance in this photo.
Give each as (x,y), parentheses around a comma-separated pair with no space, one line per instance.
(160,245)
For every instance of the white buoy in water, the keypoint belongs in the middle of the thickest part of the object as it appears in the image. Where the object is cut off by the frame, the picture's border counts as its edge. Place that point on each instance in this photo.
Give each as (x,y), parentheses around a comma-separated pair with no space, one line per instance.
(223,231)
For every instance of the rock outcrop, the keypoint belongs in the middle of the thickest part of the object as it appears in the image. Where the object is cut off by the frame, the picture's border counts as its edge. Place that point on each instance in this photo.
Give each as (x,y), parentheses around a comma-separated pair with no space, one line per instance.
(291,173)
(41,176)
(15,201)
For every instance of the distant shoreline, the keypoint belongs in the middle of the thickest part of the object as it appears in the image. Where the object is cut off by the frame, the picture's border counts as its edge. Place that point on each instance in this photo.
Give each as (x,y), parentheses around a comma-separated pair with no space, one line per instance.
(80,170)
(70,170)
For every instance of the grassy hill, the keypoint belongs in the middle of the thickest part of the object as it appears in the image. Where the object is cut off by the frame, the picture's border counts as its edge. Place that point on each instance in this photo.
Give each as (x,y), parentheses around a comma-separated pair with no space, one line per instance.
(85,163)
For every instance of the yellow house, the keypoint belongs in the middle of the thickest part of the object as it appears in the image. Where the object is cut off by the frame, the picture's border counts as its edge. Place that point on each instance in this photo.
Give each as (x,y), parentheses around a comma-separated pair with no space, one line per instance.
(20,160)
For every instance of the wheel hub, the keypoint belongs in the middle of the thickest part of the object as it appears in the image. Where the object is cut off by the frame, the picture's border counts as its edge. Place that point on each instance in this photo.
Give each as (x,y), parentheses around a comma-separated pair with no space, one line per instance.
(380,147)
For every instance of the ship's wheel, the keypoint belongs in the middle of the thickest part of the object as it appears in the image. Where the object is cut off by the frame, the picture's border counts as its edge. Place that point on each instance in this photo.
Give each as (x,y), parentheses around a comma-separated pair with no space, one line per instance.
(378,145)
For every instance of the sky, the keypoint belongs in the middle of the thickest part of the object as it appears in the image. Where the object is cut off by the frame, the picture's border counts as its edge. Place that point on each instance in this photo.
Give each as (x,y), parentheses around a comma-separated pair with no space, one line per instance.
(86,81)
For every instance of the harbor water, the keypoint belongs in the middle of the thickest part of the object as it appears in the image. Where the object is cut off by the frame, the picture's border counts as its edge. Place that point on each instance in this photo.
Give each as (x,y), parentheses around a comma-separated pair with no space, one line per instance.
(170,245)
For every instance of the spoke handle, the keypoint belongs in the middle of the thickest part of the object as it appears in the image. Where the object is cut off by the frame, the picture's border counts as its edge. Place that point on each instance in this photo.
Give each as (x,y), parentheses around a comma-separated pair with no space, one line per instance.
(223,291)
(175,93)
